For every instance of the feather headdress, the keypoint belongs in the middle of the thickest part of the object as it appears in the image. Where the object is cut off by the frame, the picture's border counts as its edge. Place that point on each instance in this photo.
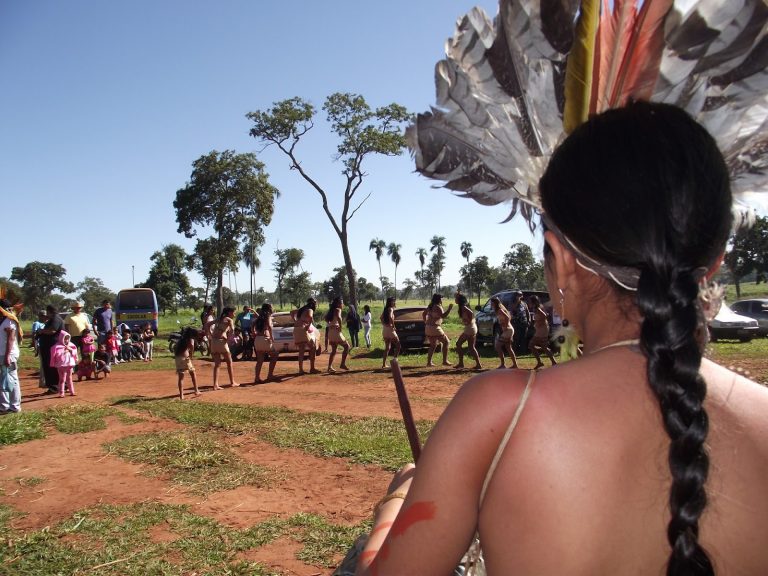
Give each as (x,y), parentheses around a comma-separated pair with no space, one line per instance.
(510,90)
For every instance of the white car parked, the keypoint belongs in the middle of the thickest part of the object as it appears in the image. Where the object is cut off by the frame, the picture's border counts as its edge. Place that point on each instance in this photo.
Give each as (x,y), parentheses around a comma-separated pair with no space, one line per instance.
(729,325)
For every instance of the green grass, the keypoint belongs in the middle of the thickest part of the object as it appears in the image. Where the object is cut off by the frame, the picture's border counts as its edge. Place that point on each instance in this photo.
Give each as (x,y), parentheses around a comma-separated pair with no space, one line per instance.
(161,539)
(380,441)
(69,419)
(748,291)
(29,482)
(192,459)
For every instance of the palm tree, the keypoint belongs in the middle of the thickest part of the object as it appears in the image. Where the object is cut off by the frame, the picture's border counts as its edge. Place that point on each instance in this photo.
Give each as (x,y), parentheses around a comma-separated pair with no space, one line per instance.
(251,259)
(393,250)
(438,243)
(466,251)
(378,247)
(422,254)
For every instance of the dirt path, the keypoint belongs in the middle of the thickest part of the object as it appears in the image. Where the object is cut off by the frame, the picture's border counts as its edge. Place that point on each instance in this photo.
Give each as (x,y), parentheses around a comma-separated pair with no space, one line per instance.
(84,475)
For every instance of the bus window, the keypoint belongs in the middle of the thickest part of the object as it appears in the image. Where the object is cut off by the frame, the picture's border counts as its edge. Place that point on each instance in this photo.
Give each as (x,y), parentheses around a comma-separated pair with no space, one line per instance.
(135,307)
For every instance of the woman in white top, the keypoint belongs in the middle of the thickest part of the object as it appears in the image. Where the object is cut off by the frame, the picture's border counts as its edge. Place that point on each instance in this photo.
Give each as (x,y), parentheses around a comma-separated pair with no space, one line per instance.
(366,319)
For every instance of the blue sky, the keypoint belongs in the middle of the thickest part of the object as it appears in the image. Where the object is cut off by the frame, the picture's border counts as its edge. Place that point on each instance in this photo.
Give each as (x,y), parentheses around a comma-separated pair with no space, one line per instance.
(105,105)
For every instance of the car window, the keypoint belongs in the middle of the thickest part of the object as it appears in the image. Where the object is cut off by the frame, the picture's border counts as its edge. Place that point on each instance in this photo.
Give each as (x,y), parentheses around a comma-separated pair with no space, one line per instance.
(408,315)
(740,307)
(282,320)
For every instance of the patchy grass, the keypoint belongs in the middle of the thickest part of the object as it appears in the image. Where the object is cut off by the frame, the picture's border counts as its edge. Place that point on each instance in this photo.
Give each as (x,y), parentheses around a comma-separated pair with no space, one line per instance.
(30,482)
(68,419)
(21,427)
(122,540)
(372,440)
(192,459)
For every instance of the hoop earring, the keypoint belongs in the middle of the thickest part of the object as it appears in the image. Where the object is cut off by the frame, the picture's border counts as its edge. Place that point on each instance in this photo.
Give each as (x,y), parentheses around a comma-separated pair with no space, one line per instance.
(566,335)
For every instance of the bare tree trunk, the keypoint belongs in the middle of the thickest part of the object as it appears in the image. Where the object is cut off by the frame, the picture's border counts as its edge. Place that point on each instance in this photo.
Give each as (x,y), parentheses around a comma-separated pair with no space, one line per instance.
(351,278)
(220,293)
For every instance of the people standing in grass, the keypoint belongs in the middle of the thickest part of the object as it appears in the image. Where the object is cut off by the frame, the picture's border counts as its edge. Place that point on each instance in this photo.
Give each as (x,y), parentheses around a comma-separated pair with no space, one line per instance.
(521,320)
(335,334)
(353,325)
(47,338)
(64,359)
(102,321)
(539,344)
(219,346)
(243,321)
(75,323)
(148,339)
(10,337)
(506,333)
(433,320)
(263,343)
(185,348)
(304,333)
(366,322)
(469,334)
(388,332)
(87,344)
(112,345)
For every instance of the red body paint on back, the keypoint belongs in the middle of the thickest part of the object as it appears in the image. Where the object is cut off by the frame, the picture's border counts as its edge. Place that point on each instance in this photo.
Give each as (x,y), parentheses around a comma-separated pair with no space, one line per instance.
(416,512)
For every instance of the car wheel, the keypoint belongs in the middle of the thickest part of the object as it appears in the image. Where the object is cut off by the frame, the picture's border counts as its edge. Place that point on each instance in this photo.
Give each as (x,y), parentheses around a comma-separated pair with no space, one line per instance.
(171,347)
(745,338)
(712,337)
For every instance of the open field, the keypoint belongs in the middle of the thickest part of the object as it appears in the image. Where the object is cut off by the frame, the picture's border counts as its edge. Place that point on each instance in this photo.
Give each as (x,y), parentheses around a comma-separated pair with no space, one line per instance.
(271,479)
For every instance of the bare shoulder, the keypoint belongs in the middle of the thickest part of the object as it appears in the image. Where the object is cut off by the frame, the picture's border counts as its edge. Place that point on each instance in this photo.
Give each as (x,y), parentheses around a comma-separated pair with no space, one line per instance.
(736,403)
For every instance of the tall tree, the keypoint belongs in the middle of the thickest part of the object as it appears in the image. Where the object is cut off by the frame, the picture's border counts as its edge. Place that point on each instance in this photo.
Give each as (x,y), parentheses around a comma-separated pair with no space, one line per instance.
(393,251)
(93,292)
(362,132)
(252,261)
(527,272)
(480,271)
(466,252)
(422,254)
(748,253)
(39,280)
(287,261)
(205,261)
(231,193)
(378,246)
(167,277)
(437,244)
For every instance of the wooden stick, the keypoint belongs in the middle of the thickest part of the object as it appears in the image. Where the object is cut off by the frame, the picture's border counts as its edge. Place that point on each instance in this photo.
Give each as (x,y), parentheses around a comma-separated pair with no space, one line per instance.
(405,409)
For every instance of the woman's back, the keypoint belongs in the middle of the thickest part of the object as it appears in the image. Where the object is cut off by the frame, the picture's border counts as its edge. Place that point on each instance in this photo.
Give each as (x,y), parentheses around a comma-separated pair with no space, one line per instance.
(597,502)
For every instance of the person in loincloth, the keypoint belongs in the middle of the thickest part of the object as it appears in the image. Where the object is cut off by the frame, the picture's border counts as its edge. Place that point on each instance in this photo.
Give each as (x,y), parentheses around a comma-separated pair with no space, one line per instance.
(507,333)
(469,334)
(304,333)
(335,335)
(433,319)
(388,332)
(219,347)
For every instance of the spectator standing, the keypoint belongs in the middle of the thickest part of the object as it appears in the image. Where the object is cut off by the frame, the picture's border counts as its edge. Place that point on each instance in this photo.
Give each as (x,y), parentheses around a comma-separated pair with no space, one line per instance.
(87,344)
(353,325)
(366,322)
(64,360)
(10,338)
(244,321)
(521,321)
(102,321)
(47,337)
(148,337)
(38,325)
(75,323)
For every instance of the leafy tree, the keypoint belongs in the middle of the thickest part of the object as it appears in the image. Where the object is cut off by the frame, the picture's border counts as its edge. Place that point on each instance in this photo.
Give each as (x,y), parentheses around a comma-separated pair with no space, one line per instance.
(466,252)
(287,261)
(378,246)
(298,287)
(409,287)
(38,281)
(365,290)
(749,253)
(337,285)
(480,271)
(251,259)
(422,254)
(93,292)
(393,251)
(527,272)
(14,294)
(437,245)
(205,261)
(362,132)
(230,193)
(167,277)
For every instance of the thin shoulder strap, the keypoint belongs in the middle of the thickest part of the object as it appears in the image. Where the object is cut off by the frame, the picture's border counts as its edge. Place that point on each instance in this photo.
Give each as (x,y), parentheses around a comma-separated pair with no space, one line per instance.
(507,434)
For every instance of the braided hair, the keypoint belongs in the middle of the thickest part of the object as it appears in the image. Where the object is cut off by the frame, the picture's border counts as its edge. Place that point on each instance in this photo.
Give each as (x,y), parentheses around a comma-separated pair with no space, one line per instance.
(646,187)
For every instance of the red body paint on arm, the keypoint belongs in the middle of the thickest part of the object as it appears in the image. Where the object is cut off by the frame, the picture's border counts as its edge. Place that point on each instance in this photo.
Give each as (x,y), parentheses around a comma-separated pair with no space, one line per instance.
(416,512)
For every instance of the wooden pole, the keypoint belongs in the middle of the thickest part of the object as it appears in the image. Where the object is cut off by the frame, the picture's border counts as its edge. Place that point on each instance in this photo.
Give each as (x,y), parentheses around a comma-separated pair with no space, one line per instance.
(405,409)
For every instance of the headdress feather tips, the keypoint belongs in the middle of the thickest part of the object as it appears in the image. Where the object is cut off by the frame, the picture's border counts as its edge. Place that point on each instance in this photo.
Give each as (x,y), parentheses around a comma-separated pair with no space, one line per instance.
(510,89)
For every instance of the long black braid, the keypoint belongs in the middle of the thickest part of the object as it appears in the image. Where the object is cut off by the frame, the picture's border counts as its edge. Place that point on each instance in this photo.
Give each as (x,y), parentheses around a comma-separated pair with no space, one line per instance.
(645,187)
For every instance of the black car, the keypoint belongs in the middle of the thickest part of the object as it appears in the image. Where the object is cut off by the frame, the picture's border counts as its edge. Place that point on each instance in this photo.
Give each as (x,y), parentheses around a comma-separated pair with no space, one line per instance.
(409,324)
(756,308)
(488,326)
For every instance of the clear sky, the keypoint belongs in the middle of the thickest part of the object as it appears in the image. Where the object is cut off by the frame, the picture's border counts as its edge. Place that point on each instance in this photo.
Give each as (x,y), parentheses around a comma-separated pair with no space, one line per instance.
(105,105)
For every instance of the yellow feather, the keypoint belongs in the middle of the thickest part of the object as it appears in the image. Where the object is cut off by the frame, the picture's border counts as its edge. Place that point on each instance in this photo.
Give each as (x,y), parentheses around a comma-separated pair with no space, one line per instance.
(579,74)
